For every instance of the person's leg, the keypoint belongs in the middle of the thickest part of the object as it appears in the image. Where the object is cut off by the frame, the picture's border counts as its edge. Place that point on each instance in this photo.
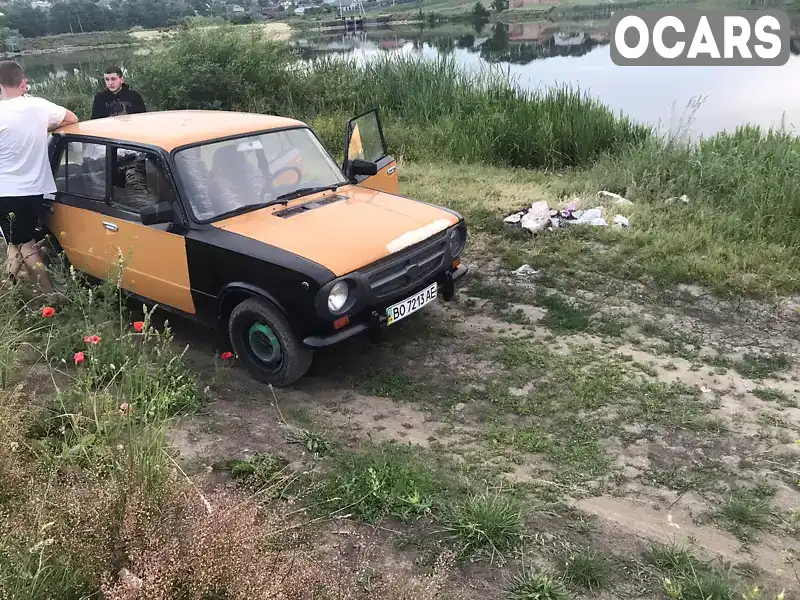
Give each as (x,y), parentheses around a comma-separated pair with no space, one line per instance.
(33,260)
(14,261)
(23,233)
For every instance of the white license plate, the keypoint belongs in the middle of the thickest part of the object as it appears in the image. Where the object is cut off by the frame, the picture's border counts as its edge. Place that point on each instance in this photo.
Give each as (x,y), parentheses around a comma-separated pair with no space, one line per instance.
(401,310)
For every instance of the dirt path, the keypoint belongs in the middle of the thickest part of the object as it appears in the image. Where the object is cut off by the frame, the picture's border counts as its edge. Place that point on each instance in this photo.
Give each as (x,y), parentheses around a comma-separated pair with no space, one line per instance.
(623,414)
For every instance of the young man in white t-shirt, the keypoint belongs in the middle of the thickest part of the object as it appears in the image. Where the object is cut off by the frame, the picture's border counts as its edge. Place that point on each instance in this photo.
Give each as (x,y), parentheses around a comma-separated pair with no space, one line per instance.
(25,172)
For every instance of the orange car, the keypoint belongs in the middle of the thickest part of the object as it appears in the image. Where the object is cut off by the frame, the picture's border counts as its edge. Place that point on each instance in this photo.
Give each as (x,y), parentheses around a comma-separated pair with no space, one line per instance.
(245,223)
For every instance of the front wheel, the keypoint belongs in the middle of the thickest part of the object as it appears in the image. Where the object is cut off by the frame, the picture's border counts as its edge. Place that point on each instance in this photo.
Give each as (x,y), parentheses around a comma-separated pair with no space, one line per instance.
(266,345)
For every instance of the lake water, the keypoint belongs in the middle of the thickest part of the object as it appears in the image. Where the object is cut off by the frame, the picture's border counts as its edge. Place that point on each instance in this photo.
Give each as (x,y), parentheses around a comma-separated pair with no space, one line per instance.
(538,55)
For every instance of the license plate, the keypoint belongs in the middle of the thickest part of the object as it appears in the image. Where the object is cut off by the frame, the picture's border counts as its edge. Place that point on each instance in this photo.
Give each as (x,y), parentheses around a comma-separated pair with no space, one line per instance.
(401,310)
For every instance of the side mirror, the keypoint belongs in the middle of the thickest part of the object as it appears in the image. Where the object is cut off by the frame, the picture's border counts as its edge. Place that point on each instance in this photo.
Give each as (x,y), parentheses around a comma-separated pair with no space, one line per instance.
(361,167)
(157,214)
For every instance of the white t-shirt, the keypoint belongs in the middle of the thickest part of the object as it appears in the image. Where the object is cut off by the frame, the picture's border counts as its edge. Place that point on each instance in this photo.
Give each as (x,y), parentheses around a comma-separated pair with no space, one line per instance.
(24,164)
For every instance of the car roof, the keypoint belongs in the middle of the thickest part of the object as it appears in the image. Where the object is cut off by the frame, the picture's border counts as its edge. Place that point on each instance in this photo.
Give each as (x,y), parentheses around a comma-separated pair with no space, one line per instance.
(170,129)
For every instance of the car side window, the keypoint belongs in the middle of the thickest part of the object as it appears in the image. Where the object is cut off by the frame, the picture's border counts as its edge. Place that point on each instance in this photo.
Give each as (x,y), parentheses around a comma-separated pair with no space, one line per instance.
(138,180)
(81,170)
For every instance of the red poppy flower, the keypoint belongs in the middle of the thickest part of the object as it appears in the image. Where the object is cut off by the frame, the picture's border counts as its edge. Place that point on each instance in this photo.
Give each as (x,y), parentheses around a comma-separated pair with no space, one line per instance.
(48,311)
(139,326)
(92,339)
(227,355)
(79,358)
(125,408)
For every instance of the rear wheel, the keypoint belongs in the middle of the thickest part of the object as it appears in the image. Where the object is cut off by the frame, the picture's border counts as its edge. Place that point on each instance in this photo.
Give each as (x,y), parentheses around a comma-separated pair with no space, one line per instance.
(266,345)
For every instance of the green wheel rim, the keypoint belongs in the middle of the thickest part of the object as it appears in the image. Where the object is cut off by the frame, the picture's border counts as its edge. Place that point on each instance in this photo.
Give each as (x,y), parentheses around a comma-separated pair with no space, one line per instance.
(265,345)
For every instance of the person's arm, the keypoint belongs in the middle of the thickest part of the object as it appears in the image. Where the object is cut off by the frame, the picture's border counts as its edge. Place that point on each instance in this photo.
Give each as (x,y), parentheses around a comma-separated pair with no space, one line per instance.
(70,118)
(57,116)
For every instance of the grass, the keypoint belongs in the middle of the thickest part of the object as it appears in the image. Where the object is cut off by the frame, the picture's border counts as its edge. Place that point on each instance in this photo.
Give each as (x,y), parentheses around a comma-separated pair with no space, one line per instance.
(746,511)
(389,480)
(99,38)
(587,569)
(484,524)
(774,395)
(759,366)
(536,585)
(685,577)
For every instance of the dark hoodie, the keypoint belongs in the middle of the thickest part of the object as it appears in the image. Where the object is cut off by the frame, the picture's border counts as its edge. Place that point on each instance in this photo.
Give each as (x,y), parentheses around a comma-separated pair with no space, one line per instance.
(124,102)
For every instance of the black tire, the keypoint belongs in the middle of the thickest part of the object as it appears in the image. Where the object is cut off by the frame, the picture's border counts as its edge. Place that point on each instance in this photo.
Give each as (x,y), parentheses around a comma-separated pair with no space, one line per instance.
(254,327)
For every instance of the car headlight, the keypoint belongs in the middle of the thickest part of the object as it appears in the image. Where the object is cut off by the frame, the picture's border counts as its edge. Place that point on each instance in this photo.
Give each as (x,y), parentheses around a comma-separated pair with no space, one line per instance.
(338,296)
(456,241)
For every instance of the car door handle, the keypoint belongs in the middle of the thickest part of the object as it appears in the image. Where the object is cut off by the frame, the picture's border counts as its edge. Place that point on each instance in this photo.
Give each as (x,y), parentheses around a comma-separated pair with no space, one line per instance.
(110,226)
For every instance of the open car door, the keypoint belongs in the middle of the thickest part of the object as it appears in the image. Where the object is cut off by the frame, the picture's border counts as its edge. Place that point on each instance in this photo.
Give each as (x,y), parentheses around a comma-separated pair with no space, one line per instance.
(364,140)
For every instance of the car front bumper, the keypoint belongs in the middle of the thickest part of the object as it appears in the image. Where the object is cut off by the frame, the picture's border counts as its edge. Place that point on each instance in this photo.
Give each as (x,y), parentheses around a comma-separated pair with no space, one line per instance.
(375,319)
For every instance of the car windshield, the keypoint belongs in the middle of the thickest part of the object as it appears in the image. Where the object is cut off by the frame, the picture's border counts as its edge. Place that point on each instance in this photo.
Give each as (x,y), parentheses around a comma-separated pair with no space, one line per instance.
(230,175)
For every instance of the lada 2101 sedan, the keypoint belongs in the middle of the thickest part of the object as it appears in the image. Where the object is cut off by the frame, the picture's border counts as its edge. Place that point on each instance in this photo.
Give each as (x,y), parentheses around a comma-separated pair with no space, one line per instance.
(246,224)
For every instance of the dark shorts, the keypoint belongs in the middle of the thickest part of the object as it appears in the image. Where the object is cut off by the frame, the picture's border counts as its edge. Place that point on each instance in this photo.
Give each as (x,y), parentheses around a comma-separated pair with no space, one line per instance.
(19,217)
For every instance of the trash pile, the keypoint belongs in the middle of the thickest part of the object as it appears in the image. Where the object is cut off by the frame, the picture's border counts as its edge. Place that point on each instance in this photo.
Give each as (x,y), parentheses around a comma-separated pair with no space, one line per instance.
(540,216)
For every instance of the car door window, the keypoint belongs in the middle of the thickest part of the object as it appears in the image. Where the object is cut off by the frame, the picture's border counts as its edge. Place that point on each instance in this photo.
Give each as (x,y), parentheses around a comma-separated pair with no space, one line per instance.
(138,180)
(81,170)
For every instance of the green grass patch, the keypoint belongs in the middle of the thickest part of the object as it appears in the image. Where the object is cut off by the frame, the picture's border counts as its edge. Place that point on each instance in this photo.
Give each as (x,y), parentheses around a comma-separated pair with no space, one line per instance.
(774,395)
(746,511)
(760,366)
(532,584)
(394,385)
(587,569)
(387,480)
(484,524)
(688,578)
(563,316)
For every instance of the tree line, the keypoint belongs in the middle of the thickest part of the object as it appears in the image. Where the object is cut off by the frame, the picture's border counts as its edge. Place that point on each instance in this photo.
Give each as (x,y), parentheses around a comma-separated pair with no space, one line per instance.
(76,16)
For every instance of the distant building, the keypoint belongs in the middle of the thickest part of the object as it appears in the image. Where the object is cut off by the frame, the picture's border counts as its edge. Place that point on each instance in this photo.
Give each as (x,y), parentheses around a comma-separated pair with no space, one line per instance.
(41,4)
(237,10)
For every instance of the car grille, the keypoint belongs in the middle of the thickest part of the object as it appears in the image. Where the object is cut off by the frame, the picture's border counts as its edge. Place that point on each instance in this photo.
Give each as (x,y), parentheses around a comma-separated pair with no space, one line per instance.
(399,273)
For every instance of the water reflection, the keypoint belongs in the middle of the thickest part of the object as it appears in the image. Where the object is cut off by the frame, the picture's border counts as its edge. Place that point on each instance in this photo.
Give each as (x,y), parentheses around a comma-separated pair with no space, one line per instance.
(695,100)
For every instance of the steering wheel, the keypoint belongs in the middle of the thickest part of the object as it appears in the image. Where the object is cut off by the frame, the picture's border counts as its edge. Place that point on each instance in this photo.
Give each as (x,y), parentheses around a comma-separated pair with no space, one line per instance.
(279,188)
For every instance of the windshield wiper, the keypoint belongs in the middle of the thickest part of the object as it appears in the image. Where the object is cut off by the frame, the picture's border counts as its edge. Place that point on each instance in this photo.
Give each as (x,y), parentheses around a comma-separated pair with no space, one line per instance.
(306,191)
(282,199)
(245,208)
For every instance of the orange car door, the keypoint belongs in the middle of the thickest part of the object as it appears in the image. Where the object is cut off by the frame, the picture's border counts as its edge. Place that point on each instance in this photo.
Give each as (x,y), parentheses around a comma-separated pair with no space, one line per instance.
(365,141)
(74,216)
(154,257)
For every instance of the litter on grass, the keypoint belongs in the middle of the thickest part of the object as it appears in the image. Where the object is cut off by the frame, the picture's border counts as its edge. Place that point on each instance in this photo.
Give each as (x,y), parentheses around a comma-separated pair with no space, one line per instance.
(540,216)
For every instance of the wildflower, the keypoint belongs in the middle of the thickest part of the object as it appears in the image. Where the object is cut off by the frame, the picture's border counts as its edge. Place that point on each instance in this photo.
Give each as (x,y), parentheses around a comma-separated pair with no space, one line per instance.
(780,596)
(227,355)
(79,358)
(120,447)
(92,339)
(139,326)
(125,408)
(14,446)
(48,311)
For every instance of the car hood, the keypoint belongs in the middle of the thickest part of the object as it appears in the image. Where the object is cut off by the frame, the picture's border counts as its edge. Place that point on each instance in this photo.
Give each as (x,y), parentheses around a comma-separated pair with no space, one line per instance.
(357,228)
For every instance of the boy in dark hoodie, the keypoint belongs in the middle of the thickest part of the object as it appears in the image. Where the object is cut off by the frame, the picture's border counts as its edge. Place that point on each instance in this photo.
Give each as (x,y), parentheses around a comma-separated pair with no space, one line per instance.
(117,98)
